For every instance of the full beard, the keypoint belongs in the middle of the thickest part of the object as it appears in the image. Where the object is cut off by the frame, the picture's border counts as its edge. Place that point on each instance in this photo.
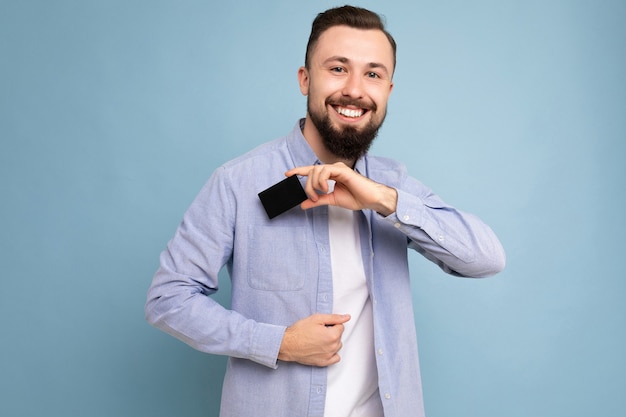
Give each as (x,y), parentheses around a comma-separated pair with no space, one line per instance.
(348,143)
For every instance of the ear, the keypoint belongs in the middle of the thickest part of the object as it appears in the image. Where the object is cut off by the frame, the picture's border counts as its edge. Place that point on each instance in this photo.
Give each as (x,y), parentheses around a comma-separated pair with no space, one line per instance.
(303,80)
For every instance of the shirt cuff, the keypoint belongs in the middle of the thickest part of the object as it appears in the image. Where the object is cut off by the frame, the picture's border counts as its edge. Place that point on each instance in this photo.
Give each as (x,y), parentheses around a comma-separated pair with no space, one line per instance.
(409,211)
(265,344)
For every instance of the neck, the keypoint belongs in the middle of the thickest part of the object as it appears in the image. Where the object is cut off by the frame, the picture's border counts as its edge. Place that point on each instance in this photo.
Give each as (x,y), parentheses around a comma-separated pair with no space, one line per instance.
(314,139)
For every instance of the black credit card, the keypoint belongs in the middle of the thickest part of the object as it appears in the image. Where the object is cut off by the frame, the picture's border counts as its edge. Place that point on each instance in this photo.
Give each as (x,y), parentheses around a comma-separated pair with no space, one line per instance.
(282,196)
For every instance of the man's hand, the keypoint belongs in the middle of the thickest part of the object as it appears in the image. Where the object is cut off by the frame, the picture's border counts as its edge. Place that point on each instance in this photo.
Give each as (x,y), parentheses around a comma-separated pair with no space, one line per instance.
(352,190)
(315,340)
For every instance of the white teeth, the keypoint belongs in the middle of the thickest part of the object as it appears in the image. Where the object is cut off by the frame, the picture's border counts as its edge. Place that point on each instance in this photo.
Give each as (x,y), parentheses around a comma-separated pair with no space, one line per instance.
(349,112)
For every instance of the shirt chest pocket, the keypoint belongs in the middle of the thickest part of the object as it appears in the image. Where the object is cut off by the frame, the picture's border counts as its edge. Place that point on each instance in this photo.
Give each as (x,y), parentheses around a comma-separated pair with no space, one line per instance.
(280,258)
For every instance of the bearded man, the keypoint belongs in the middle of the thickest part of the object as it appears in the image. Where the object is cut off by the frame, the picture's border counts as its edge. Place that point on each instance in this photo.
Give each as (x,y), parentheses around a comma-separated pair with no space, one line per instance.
(321,316)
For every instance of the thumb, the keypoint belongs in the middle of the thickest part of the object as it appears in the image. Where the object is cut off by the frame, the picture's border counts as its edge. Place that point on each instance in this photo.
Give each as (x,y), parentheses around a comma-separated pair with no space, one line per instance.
(322,200)
(332,319)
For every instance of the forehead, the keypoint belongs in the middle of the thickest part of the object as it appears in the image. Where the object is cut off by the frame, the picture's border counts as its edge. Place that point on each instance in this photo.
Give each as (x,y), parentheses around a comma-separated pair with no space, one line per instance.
(357,45)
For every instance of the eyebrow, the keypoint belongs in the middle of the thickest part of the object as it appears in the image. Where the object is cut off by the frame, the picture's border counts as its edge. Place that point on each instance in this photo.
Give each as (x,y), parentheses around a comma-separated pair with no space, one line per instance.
(344,60)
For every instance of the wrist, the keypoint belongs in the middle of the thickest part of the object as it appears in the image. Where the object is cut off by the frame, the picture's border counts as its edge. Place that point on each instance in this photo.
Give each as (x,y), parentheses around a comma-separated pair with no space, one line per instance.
(283,352)
(387,202)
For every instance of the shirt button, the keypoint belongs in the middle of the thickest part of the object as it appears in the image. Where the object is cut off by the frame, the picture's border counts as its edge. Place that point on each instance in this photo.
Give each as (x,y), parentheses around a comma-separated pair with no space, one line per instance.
(387,396)
(441,239)
(397,225)
(380,351)
(406,218)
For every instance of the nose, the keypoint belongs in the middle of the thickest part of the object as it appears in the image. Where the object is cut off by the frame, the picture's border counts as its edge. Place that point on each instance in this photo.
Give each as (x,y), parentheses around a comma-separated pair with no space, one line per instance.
(353,86)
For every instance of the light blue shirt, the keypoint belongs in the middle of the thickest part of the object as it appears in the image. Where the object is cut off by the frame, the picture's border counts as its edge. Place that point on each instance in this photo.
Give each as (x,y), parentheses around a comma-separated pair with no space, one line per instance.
(280,271)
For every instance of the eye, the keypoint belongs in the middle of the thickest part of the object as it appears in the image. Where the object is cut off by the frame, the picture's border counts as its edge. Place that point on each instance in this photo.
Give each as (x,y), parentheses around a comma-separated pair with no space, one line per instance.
(337,69)
(372,74)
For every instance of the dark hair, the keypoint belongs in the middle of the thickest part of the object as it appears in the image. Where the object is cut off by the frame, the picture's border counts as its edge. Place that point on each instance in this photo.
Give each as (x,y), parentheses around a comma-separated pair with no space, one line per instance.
(354,17)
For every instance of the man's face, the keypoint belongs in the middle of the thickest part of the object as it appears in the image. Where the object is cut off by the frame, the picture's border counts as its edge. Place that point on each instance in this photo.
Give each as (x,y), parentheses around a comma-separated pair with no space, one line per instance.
(348,85)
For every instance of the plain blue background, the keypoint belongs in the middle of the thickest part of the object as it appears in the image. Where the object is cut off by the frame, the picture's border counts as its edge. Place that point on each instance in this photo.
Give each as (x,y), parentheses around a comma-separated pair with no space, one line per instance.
(114,113)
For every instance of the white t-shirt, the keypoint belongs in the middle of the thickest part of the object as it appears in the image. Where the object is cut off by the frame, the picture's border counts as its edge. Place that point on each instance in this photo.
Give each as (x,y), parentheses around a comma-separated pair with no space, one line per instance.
(353,382)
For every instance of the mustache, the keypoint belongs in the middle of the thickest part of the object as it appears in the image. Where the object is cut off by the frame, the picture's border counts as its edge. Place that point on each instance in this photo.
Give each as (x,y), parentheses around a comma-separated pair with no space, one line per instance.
(345,102)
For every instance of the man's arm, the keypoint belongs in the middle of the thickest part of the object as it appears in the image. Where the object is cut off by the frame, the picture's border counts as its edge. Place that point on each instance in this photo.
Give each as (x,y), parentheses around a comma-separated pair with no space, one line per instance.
(352,190)
(179,301)
(460,243)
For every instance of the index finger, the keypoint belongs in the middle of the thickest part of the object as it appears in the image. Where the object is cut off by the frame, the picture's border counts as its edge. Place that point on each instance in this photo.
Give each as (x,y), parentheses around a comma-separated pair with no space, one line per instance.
(313,183)
(303,171)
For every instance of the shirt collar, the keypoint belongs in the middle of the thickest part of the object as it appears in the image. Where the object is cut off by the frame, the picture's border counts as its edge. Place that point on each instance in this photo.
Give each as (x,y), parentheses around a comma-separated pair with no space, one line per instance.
(301,152)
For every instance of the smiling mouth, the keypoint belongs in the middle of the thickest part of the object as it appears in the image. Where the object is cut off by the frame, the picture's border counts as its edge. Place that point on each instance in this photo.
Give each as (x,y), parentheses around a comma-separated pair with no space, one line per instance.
(350,113)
